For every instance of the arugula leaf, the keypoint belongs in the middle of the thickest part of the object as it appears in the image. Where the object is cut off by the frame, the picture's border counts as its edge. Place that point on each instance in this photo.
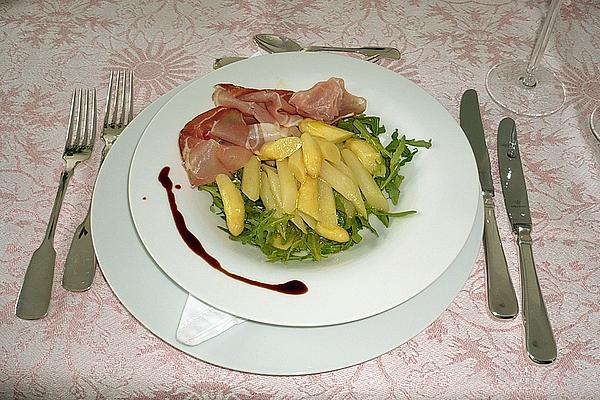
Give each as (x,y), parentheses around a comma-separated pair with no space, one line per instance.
(276,236)
(395,154)
(216,197)
(280,240)
(419,143)
(394,162)
(358,125)
(384,216)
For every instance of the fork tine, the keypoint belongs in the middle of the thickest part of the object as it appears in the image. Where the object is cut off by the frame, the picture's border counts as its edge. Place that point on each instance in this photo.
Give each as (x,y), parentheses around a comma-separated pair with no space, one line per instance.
(108,97)
(123,99)
(79,119)
(130,117)
(116,107)
(86,129)
(71,114)
(94,117)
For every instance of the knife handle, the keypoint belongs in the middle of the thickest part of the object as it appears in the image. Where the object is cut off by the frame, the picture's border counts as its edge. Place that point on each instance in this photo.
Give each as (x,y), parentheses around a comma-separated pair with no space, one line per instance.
(502,300)
(539,339)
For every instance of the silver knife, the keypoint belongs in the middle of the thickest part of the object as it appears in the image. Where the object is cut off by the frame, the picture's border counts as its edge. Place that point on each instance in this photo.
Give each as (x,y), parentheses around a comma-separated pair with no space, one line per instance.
(539,340)
(502,300)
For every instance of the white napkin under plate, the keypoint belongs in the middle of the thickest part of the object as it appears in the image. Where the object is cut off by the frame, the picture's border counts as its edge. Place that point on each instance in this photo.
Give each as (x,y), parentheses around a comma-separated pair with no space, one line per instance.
(199,321)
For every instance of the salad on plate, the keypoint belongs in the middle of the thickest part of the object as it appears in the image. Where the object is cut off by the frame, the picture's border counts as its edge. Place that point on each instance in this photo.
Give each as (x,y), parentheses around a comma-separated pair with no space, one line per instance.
(296,174)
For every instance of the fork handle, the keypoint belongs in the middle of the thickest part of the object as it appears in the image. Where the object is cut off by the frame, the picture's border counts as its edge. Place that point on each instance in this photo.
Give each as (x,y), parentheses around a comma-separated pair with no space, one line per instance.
(60,195)
(34,297)
(384,52)
(80,266)
(223,61)
(107,146)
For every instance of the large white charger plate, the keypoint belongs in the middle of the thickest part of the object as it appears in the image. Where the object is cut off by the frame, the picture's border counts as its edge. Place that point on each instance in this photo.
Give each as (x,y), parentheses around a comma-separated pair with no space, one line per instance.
(380,273)
(157,302)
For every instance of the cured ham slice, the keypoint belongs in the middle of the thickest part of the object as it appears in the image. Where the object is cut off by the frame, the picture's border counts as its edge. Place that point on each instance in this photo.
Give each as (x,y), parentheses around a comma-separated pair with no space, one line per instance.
(233,157)
(201,162)
(222,139)
(266,106)
(205,159)
(328,101)
(263,133)
(217,123)
(231,128)
(200,126)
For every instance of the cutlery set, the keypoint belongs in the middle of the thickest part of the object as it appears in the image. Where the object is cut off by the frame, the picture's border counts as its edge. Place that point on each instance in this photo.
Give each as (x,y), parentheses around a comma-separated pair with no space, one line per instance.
(502,301)
(281,44)
(34,296)
(80,264)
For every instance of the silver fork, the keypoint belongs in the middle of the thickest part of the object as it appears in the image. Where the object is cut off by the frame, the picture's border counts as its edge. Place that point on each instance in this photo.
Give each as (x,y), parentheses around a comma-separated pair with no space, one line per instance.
(34,296)
(80,265)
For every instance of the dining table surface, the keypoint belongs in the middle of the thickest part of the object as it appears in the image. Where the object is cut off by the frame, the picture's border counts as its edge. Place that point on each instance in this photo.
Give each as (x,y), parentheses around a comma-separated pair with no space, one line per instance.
(90,347)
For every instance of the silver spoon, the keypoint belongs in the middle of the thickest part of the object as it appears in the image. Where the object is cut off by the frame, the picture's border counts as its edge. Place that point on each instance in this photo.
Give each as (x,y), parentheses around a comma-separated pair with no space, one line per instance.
(282,44)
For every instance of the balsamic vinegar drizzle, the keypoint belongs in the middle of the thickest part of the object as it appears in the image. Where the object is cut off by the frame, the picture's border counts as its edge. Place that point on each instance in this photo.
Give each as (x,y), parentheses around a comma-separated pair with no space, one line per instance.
(293,287)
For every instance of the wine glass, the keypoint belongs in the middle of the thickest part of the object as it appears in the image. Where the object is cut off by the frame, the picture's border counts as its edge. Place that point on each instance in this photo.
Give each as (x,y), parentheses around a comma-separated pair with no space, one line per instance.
(525,87)
(595,122)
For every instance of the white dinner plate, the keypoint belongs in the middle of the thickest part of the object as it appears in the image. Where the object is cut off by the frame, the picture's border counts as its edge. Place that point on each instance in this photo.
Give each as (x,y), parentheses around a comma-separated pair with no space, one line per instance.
(157,302)
(441,184)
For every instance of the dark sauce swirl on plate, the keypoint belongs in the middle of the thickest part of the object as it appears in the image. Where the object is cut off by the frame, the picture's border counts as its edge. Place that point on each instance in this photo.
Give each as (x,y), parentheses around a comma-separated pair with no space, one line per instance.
(293,287)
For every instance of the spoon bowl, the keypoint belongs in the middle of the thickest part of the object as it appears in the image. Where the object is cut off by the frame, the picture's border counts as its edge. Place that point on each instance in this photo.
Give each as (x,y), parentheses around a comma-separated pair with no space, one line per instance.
(276,43)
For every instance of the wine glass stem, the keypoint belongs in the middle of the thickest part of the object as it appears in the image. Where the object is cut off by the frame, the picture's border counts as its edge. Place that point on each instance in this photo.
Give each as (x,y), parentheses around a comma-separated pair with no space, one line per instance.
(529,79)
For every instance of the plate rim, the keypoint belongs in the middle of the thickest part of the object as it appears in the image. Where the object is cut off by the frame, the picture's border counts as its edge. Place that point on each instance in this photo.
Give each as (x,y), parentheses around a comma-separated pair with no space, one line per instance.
(312,321)
(209,351)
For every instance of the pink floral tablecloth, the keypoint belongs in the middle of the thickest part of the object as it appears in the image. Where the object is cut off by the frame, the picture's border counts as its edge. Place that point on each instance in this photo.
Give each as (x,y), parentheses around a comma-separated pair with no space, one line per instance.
(90,347)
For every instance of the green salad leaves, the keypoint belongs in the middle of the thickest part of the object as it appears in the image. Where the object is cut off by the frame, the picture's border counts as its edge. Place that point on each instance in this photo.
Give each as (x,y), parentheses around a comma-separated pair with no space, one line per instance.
(280,240)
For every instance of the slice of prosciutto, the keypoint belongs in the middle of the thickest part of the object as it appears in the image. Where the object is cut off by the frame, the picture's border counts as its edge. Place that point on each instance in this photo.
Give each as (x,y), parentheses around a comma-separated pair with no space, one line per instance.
(205,159)
(328,101)
(222,139)
(266,106)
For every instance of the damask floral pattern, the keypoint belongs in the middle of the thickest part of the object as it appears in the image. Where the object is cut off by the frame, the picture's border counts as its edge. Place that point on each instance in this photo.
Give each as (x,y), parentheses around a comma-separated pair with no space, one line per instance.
(90,347)
(159,64)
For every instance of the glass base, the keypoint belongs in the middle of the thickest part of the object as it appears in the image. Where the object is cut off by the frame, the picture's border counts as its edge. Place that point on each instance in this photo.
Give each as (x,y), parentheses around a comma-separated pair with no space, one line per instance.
(595,122)
(505,86)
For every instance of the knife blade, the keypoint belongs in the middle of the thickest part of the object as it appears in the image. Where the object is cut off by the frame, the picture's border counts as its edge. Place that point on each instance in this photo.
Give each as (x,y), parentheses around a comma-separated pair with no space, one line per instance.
(501,297)
(539,339)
